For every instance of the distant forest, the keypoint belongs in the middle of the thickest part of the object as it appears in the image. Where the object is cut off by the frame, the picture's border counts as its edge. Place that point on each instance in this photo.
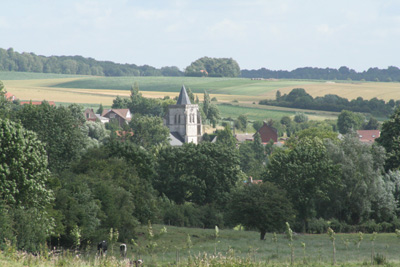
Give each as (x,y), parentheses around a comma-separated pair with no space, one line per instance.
(30,62)
(391,74)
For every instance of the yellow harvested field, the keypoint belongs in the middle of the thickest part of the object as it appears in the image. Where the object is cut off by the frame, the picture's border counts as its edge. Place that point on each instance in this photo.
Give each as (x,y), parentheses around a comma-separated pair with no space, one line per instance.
(366,90)
(41,89)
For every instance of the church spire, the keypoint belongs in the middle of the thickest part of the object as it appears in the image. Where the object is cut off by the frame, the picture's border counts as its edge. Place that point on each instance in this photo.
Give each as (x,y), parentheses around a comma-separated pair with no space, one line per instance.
(183,97)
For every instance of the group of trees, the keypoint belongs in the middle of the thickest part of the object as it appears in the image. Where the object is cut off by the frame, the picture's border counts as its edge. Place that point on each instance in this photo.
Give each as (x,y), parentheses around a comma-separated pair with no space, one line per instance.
(299,98)
(391,74)
(213,67)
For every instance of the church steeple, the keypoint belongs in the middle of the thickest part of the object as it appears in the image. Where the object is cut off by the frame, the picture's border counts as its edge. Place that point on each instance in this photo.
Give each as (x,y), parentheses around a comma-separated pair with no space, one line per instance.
(183,98)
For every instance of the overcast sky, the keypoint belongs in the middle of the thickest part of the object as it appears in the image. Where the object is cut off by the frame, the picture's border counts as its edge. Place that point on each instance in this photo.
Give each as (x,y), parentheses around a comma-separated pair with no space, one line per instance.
(275,34)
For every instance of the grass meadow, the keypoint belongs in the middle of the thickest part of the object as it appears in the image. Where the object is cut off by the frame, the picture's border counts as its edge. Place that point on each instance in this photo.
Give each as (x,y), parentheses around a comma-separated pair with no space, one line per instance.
(181,246)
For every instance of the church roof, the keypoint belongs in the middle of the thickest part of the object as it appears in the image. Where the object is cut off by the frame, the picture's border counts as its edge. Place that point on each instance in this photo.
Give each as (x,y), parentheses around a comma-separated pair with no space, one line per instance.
(183,97)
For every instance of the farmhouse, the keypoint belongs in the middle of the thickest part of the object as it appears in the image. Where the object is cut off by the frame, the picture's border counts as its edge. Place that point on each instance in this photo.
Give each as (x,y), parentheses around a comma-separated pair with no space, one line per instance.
(184,121)
(267,133)
(90,115)
(122,116)
(368,136)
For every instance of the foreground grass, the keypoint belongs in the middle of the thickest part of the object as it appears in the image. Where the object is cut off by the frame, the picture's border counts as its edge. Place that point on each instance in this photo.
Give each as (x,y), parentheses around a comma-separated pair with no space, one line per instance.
(200,247)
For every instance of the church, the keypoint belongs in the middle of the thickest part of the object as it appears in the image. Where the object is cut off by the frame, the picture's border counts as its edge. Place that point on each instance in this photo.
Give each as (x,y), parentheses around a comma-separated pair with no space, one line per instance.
(184,121)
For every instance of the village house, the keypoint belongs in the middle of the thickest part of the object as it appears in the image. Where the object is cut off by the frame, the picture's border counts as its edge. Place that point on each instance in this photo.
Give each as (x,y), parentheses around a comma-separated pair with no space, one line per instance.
(122,116)
(267,133)
(368,136)
(90,115)
(9,96)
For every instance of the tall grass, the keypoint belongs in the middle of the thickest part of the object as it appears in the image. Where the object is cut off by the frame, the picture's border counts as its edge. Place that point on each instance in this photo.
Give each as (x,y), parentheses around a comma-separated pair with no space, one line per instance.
(233,248)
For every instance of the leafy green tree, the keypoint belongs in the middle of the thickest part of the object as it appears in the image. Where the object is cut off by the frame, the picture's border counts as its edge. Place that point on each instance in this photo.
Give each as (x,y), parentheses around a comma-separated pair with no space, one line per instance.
(25,196)
(241,122)
(214,67)
(59,128)
(206,103)
(390,140)
(257,125)
(100,109)
(306,173)
(23,167)
(120,102)
(226,138)
(263,207)
(364,192)
(372,124)
(300,117)
(149,131)
(213,115)
(202,174)
(349,121)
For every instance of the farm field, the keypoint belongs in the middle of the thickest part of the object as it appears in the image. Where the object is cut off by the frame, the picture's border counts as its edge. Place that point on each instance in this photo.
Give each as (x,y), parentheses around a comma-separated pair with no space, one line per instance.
(233,248)
(243,93)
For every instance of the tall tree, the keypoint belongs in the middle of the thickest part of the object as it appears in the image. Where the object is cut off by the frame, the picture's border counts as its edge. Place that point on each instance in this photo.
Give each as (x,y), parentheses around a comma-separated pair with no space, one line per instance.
(390,140)
(59,128)
(306,173)
(349,121)
(149,131)
(263,207)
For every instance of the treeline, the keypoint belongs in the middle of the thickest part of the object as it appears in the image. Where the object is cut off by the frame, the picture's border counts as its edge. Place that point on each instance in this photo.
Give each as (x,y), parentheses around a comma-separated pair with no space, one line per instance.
(299,98)
(391,74)
(29,62)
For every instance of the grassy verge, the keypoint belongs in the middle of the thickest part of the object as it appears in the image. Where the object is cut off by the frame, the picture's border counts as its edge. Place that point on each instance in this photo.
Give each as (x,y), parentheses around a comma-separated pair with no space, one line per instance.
(200,247)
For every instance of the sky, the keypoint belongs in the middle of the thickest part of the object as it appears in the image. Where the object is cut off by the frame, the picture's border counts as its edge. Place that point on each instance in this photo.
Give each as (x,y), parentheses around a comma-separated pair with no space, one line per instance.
(272,34)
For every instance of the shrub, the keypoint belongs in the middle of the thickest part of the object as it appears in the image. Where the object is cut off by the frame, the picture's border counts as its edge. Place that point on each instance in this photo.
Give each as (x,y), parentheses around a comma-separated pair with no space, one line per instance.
(317,226)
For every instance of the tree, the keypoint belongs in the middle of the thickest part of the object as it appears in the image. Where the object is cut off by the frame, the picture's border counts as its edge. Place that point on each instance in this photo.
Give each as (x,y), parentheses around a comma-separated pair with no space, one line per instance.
(23,167)
(226,138)
(300,117)
(390,140)
(25,196)
(214,67)
(202,174)
(59,128)
(257,125)
(372,124)
(241,122)
(213,115)
(349,121)
(149,131)
(306,173)
(364,193)
(100,109)
(263,207)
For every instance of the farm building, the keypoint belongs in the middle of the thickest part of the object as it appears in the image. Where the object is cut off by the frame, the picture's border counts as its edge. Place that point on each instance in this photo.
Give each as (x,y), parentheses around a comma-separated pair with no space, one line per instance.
(123,116)
(368,136)
(267,133)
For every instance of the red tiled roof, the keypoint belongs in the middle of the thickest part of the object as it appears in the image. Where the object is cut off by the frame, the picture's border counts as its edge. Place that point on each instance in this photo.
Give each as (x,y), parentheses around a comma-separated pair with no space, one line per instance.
(9,96)
(368,136)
